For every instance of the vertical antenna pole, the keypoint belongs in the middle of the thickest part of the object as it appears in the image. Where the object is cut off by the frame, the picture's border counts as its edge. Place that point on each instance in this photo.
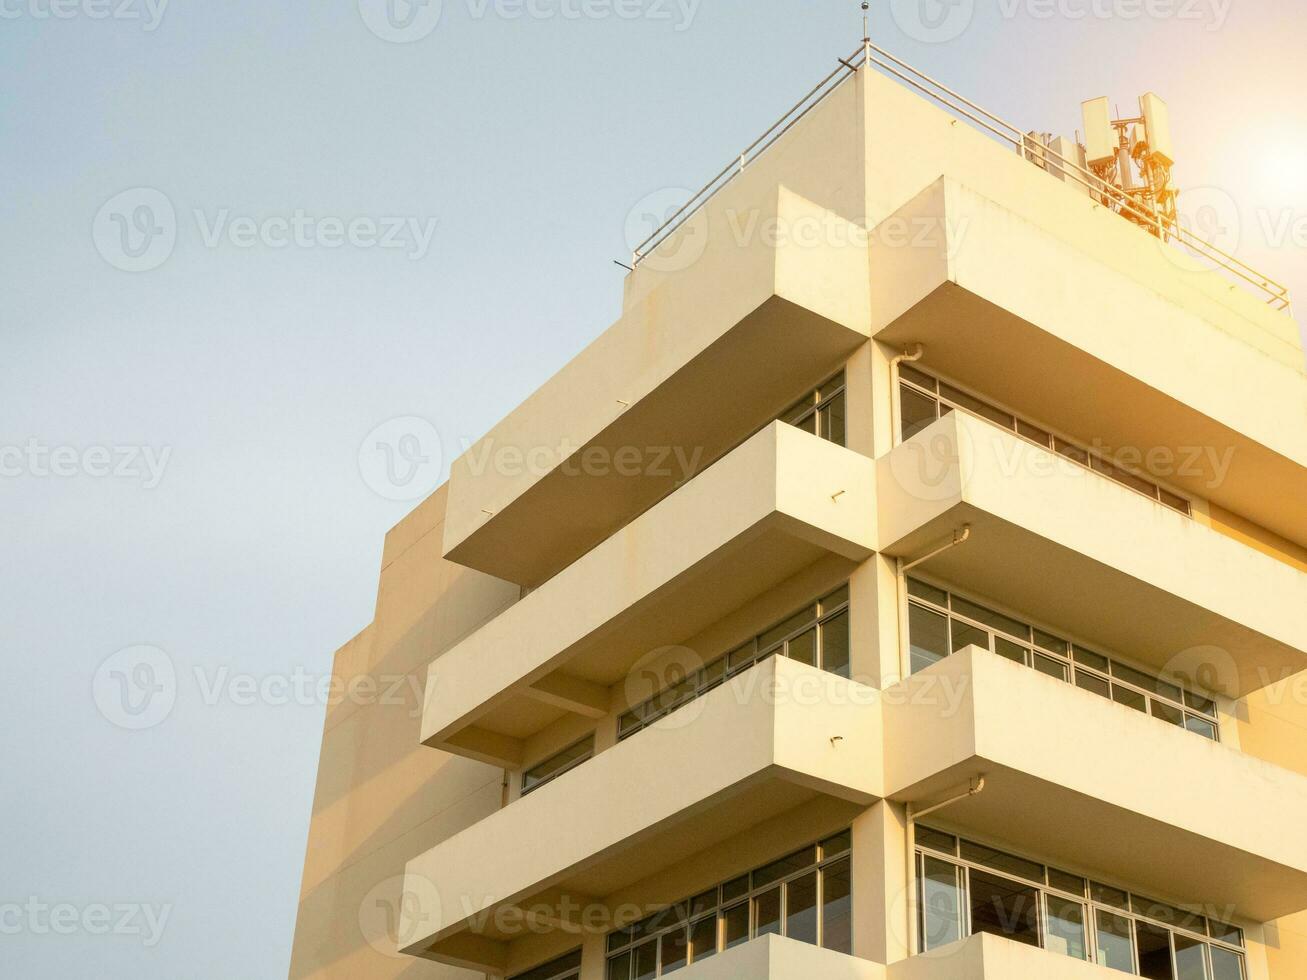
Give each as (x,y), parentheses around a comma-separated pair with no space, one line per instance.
(866,32)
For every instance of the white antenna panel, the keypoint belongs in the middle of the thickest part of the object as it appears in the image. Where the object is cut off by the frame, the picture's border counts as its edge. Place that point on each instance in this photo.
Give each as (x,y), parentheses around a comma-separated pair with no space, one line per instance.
(1157,121)
(1100,138)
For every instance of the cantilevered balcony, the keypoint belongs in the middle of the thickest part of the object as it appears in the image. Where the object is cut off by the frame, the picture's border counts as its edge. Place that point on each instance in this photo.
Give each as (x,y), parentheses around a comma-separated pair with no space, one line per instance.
(1067,546)
(777,504)
(691,369)
(778,737)
(986,957)
(1108,337)
(1098,787)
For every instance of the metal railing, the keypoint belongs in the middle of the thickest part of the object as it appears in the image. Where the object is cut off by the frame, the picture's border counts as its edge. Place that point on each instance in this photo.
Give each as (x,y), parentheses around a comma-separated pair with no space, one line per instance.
(1109,195)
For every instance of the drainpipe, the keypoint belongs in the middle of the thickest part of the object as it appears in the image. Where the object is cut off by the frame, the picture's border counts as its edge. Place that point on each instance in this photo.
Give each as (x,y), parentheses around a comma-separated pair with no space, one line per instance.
(960,536)
(976,788)
(910,356)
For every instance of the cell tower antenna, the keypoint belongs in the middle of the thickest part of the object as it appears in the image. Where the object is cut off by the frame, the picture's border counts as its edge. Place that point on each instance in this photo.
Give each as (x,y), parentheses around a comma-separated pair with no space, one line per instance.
(866,30)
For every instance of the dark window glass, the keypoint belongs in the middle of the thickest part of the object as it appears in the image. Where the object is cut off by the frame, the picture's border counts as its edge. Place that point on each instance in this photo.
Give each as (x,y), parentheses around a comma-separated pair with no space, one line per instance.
(568,966)
(1199,727)
(676,950)
(1177,503)
(801,909)
(835,645)
(1153,945)
(1071,451)
(735,888)
(554,767)
(908,373)
(1064,882)
(837,907)
(1200,703)
(986,411)
(767,913)
(1110,896)
(1168,714)
(1092,682)
(620,967)
(929,637)
(803,648)
(1124,477)
(1034,433)
(784,867)
(1051,667)
(964,635)
(1004,907)
(941,904)
(1227,934)
(1001,861)
(1128,697)
(645,962)
(928,592)
(1004,624)
(919,411)
(782,630)
(837,845)
(1050,642)
(831,424)
(703,939)
(736,925)
(702,903)
(1010,651)
(1115,944)
(936,840)
(1094,660)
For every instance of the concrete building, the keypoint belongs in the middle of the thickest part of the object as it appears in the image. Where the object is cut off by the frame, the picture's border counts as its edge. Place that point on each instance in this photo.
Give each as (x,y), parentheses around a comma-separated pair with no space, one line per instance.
(911,584)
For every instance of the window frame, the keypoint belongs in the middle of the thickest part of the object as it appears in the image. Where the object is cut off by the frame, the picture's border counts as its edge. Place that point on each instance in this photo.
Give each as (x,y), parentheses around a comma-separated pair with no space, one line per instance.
(1076,660)
(1091,905)
(525,790)
(814,403)
(1066,448)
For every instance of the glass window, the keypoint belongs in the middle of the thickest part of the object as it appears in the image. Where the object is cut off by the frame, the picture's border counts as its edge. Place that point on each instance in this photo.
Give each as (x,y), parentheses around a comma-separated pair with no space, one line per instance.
(821,411)
(1115,942)
(936,840)
(734,888)
(1051,667)
(784,867)
(1176,503)
(1066,928)
(928,592)
(974,405)
(835,645)
(941,903)
(908,373)
(619,968)
(919,411)
(552,768)
(1168,714)
(929,637)
(1128,697)
(703,939)
(837,907)
(997,621)
(676,950)
(736,925)
(1011,651)
(1109,896)
(645,961)
(1153,944)
(803,648)
(801,909)
(767,913)
(1050,642)
(1226,965)
(964,635)
(1095,660)
(1002,861)
(564,968)
(1199,727)
(837,845)
(830,421)
(1092,682)
(1071,451)
(1190,959)
(1066,882)
(1004,907)
(1200,703)
(781,630)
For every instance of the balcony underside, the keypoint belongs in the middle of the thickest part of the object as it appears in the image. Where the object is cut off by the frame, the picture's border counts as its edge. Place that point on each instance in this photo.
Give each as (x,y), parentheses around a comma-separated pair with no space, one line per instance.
(776,506)
(1093,785)
(1077,551)
(742,758)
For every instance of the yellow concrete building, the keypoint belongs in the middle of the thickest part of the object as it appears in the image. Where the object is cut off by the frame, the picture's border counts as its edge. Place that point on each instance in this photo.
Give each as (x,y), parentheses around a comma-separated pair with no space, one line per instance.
(911,584)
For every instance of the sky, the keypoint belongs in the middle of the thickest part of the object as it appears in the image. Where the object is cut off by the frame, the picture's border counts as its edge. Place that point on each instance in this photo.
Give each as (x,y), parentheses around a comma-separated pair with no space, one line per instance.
(245,244)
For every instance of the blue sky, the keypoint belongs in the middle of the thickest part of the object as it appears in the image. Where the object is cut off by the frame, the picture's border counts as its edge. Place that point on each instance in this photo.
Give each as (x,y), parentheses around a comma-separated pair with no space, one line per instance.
(181,445)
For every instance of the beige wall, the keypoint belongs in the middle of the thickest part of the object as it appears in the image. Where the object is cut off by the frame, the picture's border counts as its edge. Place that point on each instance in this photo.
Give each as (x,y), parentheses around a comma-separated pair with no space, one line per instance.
(381,795)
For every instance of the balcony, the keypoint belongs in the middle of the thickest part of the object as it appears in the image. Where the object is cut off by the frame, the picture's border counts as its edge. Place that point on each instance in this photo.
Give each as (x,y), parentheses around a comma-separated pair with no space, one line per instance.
(774,958)
(986,957)
(1047,534)
(1129,349)
(1098,787)
(779,737)
(773,507)
(690,369)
